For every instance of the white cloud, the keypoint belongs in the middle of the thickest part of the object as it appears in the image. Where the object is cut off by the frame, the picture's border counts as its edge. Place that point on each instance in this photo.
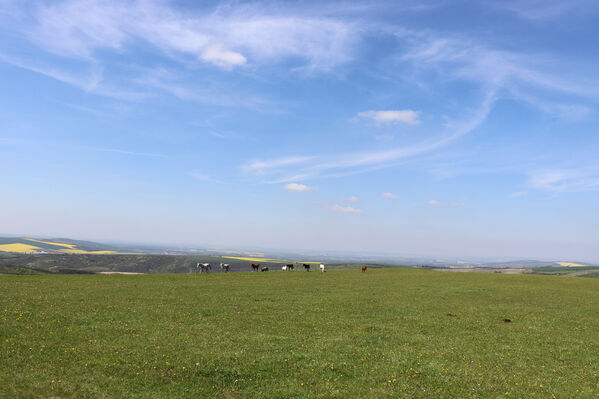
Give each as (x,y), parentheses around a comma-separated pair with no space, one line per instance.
(390,195)
(392,116)
(297,187)
(223,58)
(351,199)
(433,202)
(345,209)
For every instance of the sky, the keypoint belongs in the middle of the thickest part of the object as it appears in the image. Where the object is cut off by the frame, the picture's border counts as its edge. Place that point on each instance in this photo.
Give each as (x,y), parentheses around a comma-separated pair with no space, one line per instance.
(430,127)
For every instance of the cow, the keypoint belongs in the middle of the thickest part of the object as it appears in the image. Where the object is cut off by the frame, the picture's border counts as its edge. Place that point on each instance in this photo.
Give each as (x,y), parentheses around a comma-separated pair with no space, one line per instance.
(284,268)
(255,266)
(224,267)
(264,269)
(364,269)
(290,267)
(307,267)
(321,267)
(203,267)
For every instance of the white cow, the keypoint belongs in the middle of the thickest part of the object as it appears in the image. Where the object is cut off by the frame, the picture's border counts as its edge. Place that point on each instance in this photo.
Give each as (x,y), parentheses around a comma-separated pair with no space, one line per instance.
(203,267)
(321,267)
(284,268)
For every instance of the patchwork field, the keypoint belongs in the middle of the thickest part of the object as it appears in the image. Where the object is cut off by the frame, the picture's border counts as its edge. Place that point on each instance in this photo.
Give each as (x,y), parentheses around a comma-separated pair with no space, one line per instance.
(30,245)
(401,333)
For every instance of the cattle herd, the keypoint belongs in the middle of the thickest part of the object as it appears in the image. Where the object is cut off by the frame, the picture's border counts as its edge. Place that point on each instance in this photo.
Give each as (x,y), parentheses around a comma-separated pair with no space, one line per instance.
(224,267)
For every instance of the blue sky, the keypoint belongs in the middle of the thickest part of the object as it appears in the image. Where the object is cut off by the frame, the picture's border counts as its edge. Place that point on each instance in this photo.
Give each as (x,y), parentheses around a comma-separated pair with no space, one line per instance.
(441,128)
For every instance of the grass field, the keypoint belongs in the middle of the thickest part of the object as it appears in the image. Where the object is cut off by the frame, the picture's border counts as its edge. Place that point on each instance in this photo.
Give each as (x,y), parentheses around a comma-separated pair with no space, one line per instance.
(401,333)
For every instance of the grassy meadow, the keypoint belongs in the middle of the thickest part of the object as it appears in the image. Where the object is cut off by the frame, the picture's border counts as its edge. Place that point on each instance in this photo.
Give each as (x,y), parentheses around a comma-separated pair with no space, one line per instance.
(401,333)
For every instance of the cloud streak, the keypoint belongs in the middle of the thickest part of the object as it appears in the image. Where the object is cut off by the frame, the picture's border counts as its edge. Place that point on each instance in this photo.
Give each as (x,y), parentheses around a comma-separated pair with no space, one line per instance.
(344,209)
(392,116)
(566,180)
(303,167)
(297,187)
(134,153)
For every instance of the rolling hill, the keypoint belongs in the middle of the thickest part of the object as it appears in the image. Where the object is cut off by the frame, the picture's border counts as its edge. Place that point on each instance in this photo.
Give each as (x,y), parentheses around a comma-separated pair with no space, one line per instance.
(51,246)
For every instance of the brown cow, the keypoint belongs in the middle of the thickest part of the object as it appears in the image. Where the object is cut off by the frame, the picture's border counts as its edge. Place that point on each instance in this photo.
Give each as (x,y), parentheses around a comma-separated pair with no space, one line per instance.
(290,267)
(364,269)
(255,266)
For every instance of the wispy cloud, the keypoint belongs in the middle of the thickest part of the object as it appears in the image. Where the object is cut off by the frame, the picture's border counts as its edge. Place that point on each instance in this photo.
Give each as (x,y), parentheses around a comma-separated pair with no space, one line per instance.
(464,58)
(88,34)
(544,9)
(392,116)
(344,209)
(262,167)
(351,199)
(226,37)
(433,202)
(297,187)
(495,71)
(134,153)
(390,195)
(452,204)
(566,180)
(203,177)
(297,168)
(90,81)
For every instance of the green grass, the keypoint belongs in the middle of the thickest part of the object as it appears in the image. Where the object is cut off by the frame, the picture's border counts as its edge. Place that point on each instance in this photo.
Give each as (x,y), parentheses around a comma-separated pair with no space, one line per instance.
(340,334)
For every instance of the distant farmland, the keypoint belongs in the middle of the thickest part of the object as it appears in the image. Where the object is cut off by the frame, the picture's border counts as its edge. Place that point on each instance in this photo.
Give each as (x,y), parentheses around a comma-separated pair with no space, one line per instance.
(31,245)
(401,333)
(140,263)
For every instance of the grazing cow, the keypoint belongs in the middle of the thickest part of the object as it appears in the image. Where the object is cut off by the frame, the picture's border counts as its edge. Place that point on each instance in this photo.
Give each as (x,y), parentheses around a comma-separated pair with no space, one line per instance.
(290,267)
(364,269)
(284,268)
(203,267)
(307,267)
(224,267)
(321,267)
(255,266)
(264,269)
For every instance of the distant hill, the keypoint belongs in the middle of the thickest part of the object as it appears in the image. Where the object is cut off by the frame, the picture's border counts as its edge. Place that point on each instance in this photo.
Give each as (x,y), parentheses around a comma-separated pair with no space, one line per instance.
(13,250)
(52,246)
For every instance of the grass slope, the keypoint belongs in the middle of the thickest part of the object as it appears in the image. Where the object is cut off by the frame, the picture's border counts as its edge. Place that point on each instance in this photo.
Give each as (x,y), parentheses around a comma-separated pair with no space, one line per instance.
(340,334)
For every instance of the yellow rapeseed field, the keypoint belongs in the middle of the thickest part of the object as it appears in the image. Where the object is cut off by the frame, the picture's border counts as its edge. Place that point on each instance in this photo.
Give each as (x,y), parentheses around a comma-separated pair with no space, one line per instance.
(18,247)
(81,251)
(568,264)
(61,247)
(60,244)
